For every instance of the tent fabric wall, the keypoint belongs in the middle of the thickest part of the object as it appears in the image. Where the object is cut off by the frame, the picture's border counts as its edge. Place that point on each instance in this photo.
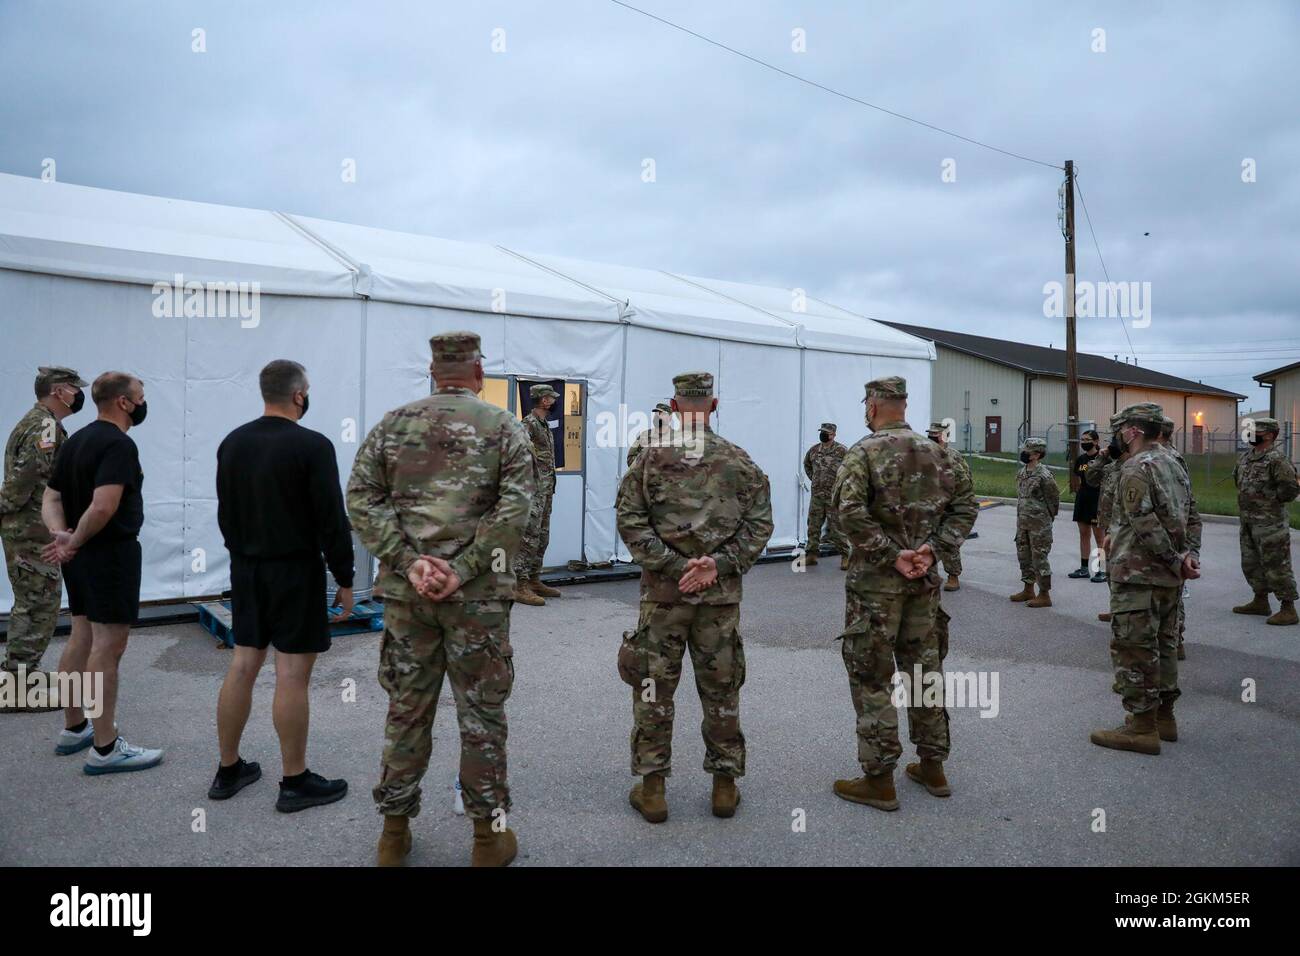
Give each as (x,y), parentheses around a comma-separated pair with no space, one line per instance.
(357,306)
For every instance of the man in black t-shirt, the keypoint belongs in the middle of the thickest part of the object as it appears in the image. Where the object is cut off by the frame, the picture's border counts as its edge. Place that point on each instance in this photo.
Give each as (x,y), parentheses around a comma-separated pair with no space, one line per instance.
(94,509)
(280,509)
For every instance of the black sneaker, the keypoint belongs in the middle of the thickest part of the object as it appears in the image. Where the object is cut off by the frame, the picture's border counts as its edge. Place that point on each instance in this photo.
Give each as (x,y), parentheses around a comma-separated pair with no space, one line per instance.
(1100,578)
(1082,572)
(314,791)
(249,772)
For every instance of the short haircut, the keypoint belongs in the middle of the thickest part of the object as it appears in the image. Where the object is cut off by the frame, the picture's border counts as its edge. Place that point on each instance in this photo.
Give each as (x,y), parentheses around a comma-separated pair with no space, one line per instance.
(280,379)
(43,388)
(112,385)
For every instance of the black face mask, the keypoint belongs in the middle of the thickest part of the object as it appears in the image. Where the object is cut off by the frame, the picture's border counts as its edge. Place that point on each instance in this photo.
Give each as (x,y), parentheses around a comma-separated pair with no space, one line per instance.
(1087,446)
(824,436)
(139,412)
(78,402)
(1024,456)
(1115,448)
(306,400)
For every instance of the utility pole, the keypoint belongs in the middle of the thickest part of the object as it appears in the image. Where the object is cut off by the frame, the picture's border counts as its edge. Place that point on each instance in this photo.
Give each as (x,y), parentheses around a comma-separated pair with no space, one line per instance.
(1071,358)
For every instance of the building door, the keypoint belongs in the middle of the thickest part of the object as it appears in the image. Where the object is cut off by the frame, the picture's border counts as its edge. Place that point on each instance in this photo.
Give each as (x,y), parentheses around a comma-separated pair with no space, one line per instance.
(1198,439)
(993,433)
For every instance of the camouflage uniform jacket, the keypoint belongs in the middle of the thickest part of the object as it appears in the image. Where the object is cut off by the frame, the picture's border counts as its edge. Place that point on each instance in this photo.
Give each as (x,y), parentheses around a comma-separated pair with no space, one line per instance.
(449,476)
(1193,513)
(689,501)
(543,445)
(29,460)
(821,463)
(1103,474)
(645,438)
(1038,498)
(1149,538)
(957,460)
(897,491)
(1265,482)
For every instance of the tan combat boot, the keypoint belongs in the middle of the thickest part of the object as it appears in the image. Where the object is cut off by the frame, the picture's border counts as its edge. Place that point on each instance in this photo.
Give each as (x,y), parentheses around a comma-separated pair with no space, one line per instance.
(542,590)
(809,559)
(1104,616)
(524,595)
(877,791)
(1166,726)
(844,562)
(648,798)
(492,848)
(1182,654)
(395,841)
(952,584)
(726,796)
(1044,598)
(1257,606)
(1285,614)
(1025,593)
(1138,735)
(929,774)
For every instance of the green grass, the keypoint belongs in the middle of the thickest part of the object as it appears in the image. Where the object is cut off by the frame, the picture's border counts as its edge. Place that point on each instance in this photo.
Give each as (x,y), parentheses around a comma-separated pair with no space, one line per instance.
(1211,481)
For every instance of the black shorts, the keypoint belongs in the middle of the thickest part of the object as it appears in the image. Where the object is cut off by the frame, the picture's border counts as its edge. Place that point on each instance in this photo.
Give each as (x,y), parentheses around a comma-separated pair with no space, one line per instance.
(279,602)
(103,581)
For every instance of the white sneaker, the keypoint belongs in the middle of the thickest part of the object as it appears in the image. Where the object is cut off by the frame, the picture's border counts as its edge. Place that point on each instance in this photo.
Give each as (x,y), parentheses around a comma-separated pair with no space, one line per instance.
(123,758)
(458,807)
(70,743)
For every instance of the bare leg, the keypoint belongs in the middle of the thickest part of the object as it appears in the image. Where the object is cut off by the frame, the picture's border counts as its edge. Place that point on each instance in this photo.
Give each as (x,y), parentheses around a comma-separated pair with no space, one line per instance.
(76,653)
(1085,540)
(236,700)
(290,709)
(1099,534)
(108,643)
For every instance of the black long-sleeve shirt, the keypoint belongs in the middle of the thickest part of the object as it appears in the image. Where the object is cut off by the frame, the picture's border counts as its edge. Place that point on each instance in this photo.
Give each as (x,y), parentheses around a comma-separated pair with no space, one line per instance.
(278,495)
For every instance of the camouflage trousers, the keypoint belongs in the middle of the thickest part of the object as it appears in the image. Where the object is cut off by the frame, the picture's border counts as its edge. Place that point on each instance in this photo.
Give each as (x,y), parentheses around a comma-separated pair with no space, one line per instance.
(1033,548)
(1144,645)
(821,513)
(470,643)
(887,633)
(532,546)
(1266,558)
(1182,616)
(650,660)
(953,567)
(37,590)
(941,620)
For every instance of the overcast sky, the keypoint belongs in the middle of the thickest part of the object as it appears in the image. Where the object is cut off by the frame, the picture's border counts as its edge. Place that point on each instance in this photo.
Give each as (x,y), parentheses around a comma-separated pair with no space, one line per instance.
(758,177)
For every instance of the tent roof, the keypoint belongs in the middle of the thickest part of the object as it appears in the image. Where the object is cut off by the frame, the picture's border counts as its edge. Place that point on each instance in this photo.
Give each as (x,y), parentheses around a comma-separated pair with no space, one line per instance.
(80,231)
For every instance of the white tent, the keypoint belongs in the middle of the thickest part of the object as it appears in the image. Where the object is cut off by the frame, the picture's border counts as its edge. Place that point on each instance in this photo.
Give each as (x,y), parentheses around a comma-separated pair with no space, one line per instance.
(79,274)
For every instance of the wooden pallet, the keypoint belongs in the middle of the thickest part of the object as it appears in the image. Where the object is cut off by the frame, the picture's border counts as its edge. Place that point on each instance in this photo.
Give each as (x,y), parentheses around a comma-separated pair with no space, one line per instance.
(216,619)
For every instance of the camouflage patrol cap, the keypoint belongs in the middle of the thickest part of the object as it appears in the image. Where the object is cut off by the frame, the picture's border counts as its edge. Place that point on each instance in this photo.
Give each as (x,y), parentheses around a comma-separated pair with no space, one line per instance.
(456,347)
(1267,425)
(693,384)
(1166,426)
(542,390)
(827,427)
(1142,413)
(892,387)
(936,428)
(663,407)
(58,375)
(1034,446)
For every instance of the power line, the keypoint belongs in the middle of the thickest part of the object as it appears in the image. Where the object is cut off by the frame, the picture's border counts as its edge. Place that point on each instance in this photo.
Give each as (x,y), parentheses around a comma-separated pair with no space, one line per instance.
(1096,245)
(832,91)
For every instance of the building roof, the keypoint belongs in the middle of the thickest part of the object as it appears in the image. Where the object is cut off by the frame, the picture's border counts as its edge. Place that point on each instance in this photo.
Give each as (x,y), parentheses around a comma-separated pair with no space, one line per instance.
(1047,361)
(1269,376)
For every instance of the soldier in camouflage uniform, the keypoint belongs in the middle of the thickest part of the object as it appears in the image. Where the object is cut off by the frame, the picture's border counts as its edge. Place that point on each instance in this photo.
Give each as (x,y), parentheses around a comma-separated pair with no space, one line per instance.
(1266,482)
(1037,502)
(820,464)
(440,493)
(1150,557)
(938,433)
(529,588)
(29,460)
(903,507)
(695,514)
(1103,472)
(1193,523)
(659,431)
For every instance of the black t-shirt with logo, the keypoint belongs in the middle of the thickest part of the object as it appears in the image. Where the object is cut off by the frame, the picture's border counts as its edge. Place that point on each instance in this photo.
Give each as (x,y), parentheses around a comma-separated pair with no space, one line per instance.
(100,454)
